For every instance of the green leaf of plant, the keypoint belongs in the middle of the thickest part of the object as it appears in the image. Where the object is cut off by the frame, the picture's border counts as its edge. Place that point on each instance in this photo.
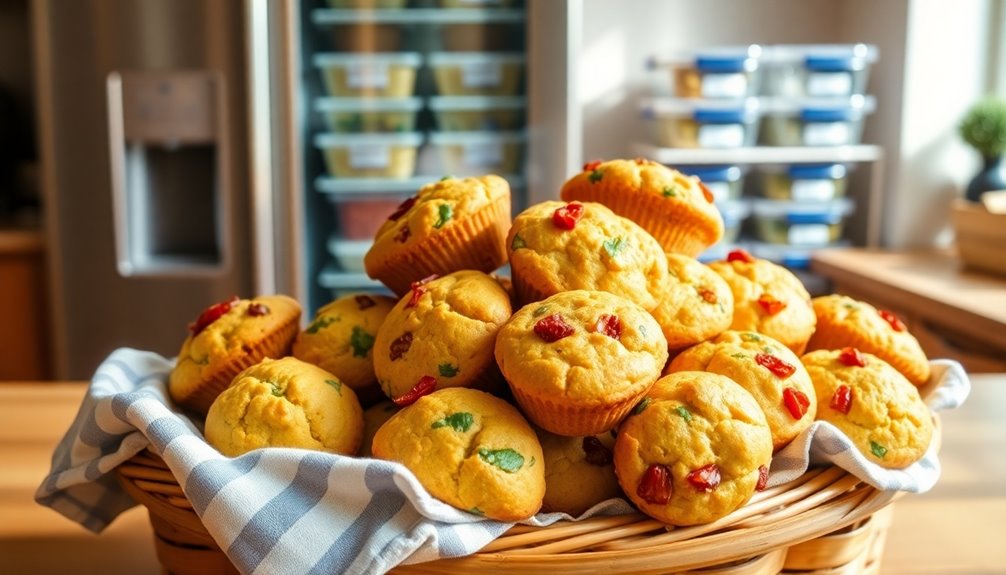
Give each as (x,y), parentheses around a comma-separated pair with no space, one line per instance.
(517,243)
(878,449)
(445,212)
(669,192)
(506,459)
(336,384)
(361,341)
(448,370)
(319,324)
(684,413)
(595,176)
(643,404)
(459,422)
(614,245)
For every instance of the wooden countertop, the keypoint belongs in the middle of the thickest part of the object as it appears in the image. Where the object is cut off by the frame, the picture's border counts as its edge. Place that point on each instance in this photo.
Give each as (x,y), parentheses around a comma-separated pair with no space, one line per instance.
(957,528)
(932,284)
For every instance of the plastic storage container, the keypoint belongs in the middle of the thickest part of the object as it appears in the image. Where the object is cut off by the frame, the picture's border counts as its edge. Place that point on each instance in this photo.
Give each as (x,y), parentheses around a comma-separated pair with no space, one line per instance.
(369,114)
(369,155)
(473,113)
(478,153)
(804,182)
(477,73)
(349,254)
(818,70)
(367,4)
(800,224)
(384,75)
(734,213)
(727,72)
(815,122)
(360,216)
(725,182)
(703,123)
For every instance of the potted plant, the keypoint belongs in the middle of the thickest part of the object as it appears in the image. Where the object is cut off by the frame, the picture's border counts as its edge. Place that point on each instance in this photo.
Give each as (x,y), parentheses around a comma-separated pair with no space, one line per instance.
(984,129)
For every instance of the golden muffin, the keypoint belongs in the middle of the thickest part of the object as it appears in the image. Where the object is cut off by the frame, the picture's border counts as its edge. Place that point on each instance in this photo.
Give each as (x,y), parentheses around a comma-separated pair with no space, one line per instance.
(557,246)
(695,305)
(843,321)
(373,418)
(449,225)
(285,403)
(340,340)
(873,404)
(768,299)
(578,361)
(226,338)
(696,448)
(768,370)
(441,335)
(579,472)
(676,209)
(469,449)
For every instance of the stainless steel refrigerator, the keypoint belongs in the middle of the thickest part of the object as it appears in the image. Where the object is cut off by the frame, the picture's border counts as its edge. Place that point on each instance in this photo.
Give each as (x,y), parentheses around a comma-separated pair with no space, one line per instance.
(180,151)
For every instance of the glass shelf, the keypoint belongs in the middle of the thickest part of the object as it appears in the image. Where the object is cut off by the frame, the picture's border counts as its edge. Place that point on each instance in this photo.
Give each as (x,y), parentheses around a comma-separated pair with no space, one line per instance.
(334,16)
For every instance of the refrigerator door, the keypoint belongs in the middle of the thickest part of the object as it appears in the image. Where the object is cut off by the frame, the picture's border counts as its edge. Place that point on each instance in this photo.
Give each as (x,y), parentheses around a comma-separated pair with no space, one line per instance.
(143,114)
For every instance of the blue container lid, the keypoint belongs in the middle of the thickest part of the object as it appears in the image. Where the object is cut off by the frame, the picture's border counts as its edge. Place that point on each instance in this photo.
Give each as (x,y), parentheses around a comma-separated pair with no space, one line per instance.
(830,114)
(814,218)
(723,64)
(713,173)
(714,116)
(817,171)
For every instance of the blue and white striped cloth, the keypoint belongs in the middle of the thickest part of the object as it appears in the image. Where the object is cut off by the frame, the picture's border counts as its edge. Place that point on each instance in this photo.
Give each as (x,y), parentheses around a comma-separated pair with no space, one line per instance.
(295,511)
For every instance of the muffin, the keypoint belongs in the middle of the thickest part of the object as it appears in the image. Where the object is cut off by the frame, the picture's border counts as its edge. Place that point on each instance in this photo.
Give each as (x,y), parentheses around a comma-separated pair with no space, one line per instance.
(374,417)
(555,247)
(843,321)
(578,361)
(695,304)
(226,338)
(768,299)
(579,472)
(340,340)
(873,404)
(450,225)
(675,209)
(285,403)
(768,370)
(441,335)
(469,449)
(697,448)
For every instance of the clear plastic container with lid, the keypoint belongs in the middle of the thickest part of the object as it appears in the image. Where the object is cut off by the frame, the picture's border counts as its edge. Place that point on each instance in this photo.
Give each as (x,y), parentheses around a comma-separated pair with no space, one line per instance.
(477,73)
(824,70)
(370,155)
(478,153)
(680,123)
(804,182)
(815,121)
(725,182)
(349,254)
(734,213)
(719,72)
(475,113)
(377,74)
(369,114)
(800,223)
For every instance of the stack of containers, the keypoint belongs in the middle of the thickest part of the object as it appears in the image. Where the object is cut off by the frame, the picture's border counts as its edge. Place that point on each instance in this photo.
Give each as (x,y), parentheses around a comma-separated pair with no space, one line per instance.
(411,91)
(712,104)
(814,97)
(726,100)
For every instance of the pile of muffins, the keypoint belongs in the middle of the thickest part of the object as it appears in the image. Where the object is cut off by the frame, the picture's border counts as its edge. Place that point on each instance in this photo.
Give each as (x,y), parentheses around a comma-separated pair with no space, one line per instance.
(611,363)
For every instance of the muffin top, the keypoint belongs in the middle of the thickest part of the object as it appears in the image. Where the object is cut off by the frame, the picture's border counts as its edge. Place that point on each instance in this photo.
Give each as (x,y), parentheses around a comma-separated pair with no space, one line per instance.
(585,346)
(340,338)
(554,246)
(285,403)
(226,330)
(695,449)
(873,404)
(437,206)
(768,299)
(845,321)
(764,367)
(579,472)
(439,335)
(695,304)
(469,449)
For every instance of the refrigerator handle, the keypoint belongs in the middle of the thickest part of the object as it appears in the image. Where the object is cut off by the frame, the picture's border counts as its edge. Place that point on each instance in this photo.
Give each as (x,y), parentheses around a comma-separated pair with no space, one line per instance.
(260,142)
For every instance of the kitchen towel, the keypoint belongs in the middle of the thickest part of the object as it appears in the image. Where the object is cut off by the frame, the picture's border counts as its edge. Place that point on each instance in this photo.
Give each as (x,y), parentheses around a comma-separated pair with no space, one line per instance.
(284,510)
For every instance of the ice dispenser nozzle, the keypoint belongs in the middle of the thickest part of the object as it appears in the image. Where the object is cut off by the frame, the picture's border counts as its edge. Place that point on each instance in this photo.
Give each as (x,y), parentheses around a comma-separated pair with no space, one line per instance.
(170,189)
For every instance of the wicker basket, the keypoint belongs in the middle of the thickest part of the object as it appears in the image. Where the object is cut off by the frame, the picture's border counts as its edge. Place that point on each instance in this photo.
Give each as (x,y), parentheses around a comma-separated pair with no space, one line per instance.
(826,522)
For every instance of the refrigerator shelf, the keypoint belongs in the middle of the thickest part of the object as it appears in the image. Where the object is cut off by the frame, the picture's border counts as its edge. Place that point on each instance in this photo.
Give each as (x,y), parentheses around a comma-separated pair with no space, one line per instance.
(331,277)
(369,187)
(337,16)
(761,154)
